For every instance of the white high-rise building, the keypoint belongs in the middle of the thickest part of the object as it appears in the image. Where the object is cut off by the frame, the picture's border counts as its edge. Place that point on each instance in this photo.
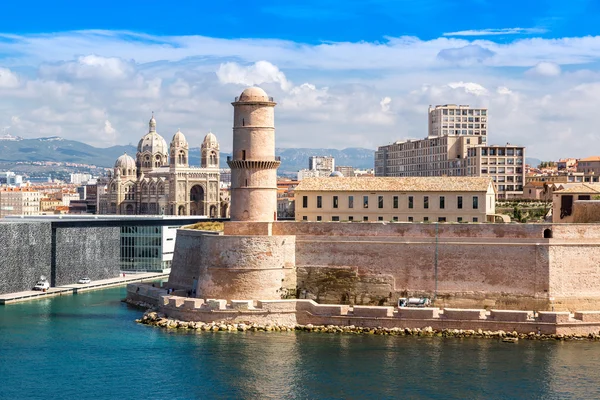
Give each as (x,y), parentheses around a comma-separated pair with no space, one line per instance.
(453,120)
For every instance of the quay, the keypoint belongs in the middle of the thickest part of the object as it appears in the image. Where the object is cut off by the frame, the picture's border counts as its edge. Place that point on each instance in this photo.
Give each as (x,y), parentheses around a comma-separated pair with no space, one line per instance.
(76,288)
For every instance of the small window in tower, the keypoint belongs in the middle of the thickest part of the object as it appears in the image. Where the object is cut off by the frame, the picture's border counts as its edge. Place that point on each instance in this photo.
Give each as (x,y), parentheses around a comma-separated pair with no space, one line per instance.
(244,155)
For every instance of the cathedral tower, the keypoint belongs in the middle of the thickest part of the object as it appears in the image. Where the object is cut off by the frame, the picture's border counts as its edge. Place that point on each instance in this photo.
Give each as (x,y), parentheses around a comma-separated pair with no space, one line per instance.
(253,164)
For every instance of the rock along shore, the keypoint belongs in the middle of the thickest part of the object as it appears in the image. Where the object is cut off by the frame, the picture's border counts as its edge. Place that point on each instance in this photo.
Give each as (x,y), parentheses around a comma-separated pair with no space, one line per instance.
(153,318)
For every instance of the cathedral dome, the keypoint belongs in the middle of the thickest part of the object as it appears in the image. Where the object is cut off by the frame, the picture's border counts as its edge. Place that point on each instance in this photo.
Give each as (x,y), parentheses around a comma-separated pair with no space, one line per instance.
(152,142)
(210,141)
(179,139)
(125,161)
(125,165)
(254,93)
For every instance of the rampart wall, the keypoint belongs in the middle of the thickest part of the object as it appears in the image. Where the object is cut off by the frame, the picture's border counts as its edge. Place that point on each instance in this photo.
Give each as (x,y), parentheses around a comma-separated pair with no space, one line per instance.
(304,312)
(510,266)
(232,266)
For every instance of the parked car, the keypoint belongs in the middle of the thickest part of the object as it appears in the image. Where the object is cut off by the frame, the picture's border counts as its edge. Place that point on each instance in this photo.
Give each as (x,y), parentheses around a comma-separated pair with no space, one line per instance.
(42,285)
(84,280)
(414,302)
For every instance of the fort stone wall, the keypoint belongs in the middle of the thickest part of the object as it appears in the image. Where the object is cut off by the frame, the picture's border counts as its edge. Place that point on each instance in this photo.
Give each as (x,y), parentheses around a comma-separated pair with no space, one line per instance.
(234,266)
(505,266)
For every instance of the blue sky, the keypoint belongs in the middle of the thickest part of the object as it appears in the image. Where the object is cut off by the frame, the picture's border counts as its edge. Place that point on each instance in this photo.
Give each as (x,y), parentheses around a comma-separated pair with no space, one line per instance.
(345,73)
(308,21)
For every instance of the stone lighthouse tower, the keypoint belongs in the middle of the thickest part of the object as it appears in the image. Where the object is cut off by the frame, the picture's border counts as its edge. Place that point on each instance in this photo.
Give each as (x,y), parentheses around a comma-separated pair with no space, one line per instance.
(253,164)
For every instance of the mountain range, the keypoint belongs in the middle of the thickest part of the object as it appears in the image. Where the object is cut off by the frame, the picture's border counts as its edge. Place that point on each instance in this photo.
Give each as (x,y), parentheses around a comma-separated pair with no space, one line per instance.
(57,149)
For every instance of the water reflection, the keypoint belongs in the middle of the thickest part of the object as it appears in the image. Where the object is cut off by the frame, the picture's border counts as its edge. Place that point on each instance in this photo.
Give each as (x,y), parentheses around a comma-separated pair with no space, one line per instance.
(93,339)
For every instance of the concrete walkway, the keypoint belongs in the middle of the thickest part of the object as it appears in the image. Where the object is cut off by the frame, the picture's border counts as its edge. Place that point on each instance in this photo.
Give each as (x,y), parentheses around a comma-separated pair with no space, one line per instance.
(76,288)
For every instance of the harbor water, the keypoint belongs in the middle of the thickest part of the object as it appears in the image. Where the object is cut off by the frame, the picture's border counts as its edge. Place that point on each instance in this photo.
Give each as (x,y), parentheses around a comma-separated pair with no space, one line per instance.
(88,346)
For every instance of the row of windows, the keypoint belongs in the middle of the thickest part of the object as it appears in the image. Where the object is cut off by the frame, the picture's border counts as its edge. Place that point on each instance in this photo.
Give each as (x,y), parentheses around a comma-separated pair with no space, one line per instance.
(395,202)
(446,111)
(464,119)
(394,219)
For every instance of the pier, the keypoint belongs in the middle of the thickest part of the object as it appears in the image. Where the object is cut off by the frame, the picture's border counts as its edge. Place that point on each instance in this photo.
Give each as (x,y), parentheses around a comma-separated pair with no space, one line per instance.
(76,287)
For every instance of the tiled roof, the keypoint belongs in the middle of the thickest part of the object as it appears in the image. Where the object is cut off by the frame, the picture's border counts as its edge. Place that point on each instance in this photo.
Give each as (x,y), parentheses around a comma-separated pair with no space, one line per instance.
(592,158)
(581,188)
(408,184)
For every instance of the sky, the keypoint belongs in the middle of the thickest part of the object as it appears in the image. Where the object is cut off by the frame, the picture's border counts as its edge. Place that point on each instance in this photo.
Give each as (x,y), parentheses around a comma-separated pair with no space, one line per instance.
(344,73)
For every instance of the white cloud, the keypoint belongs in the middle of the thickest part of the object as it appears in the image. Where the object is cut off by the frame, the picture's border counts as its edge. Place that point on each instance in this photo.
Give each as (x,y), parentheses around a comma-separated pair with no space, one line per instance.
(255,74)
(8,79)
(385,104)
(545,69)
(469,87)
(493,32)
(329,94)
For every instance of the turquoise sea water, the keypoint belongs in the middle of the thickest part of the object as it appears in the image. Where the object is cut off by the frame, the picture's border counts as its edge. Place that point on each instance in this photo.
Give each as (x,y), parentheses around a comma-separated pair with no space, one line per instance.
(88,346)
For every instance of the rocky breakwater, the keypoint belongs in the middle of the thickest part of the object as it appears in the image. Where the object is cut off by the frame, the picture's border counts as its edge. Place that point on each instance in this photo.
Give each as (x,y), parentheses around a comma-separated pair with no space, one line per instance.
(154,318)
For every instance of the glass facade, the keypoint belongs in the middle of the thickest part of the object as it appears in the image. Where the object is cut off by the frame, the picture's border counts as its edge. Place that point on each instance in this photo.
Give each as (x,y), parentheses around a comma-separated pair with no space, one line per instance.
(142,248)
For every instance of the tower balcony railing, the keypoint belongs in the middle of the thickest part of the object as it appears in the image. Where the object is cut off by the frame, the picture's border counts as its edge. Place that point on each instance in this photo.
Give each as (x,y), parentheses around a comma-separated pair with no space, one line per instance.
(255,98)
(230,158)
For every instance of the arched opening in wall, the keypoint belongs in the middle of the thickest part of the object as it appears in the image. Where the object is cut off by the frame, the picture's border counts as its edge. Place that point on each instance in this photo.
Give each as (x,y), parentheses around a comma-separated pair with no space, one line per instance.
(181,210)
(224,210)
(197,200)
(547,233)
(129,209)
(213,211)
(244,155)
(213,158)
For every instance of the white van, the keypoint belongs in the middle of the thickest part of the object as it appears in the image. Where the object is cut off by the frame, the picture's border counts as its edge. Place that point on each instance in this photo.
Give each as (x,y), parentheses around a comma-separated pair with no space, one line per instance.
(42,285)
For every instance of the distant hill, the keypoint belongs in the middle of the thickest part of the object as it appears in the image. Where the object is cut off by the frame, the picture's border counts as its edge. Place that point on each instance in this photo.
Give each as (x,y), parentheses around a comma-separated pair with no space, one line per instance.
(534,162)
(62,150)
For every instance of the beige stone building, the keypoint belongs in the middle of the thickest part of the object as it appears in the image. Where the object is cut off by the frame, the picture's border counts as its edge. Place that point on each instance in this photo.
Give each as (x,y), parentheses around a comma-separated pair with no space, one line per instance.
(160,181)
(432,199)
(455,120)
(564,201)
(589,165)
(19,201)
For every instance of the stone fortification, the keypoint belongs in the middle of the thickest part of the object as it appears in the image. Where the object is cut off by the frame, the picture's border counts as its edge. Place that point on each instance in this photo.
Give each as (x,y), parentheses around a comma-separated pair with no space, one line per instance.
(257,266)
(305,312)
(511,266)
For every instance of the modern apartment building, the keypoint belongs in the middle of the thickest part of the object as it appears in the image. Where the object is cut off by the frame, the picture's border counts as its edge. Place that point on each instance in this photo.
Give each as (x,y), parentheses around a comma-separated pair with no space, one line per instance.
(431,199)
(503,164)
(426,157)
(452,119)
(450,151)
(19,201)
(321,163)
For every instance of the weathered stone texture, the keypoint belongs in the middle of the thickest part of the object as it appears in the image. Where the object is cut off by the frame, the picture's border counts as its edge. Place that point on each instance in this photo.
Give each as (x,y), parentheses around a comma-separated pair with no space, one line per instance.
(478,265)
(235,266)
(25,255)
(87,252)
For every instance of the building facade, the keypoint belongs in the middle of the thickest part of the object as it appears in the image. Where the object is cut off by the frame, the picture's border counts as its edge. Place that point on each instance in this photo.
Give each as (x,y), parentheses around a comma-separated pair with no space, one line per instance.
(455,120)
(456,149)
(160,181)
(589,165)
(19,201)
(431,199)
(322,163)
(505,165)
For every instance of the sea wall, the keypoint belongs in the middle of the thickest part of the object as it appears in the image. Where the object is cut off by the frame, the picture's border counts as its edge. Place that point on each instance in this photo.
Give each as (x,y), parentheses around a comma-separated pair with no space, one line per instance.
(25,255)
(304,312)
